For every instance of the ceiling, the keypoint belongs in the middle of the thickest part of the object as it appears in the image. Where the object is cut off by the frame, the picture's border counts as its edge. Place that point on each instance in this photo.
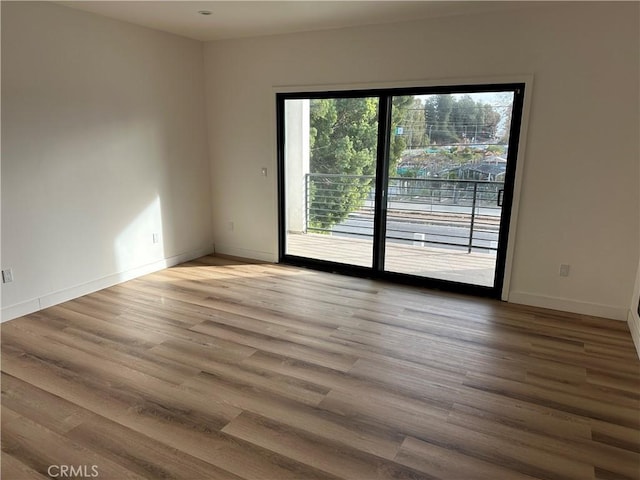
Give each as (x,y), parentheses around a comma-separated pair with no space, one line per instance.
(237,19)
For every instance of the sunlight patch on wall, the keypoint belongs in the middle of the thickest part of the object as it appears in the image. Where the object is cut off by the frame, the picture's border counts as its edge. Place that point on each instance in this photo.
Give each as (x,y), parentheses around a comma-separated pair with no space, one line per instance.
(141,242)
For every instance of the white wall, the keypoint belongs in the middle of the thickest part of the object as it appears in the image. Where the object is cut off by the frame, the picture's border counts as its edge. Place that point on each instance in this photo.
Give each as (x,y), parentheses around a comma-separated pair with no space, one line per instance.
(103,144)
(579,195)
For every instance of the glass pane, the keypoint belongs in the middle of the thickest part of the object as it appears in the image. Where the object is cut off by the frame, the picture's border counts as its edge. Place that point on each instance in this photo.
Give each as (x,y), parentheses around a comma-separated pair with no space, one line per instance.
(446,184)
(330,164)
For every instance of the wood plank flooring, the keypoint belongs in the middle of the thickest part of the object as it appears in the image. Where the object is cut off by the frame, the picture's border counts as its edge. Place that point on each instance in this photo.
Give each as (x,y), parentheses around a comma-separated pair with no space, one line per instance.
(218,369)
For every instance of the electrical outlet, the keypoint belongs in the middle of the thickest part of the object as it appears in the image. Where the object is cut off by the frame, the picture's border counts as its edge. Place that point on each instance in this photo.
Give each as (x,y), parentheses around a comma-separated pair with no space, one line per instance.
(7,276)
(230,226)
(564,270)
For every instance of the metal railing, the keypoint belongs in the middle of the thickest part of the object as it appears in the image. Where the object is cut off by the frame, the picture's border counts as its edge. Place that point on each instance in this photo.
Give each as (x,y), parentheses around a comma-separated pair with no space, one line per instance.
(451,213)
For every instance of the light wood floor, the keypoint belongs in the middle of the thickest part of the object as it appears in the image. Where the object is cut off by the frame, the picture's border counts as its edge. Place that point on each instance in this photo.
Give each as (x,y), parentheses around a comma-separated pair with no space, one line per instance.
(221,370)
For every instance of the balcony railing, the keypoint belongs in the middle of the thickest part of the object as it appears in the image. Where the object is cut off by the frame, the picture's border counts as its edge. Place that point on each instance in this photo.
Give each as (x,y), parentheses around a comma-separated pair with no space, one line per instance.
(460,214)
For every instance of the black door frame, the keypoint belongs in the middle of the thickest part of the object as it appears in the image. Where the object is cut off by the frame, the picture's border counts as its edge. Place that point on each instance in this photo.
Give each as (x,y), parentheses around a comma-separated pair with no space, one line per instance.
(382,176)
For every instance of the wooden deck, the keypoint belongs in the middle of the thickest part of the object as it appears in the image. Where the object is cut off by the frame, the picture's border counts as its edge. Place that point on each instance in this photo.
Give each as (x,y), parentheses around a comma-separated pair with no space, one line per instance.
(475,268)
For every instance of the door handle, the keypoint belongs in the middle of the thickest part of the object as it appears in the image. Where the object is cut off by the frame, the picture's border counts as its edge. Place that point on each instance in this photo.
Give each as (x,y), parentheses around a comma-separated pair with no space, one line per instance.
(500,196)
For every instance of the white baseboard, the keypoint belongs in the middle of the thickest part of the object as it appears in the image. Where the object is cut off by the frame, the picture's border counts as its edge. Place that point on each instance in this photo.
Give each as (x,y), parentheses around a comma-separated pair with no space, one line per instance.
(246,253)
(20,309)
(50,299)
(567,305)
(634,325)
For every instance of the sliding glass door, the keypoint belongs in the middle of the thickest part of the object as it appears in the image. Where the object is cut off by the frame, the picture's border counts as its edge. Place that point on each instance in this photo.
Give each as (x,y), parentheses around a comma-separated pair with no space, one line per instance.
(445,197)
(407,184)
(330,159)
